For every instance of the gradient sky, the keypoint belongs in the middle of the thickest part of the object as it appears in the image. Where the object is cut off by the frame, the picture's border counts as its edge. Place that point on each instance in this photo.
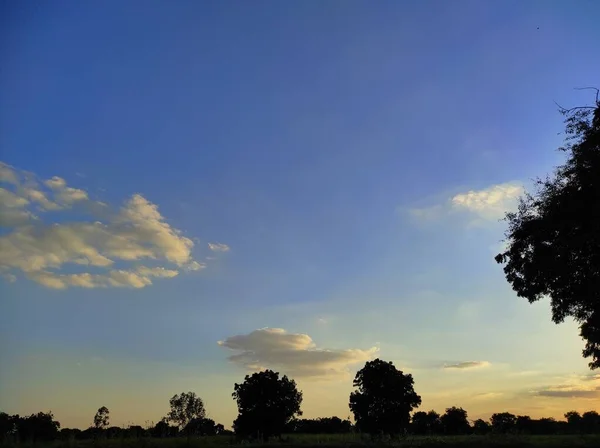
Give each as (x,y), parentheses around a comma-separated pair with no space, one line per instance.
(193,190)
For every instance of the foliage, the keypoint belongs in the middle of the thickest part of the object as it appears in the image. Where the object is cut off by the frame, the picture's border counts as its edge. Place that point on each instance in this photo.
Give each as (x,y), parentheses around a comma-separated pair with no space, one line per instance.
(554,237)
(202,427)
(101,418)
(455,421)
(426,423)
(40,427)
(503,422)
(266,404)
(184,408)
(481,427)
(323,425)
(384,399)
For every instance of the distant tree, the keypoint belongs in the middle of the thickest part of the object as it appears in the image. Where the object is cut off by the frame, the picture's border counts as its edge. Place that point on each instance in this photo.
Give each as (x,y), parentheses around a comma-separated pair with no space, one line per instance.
(384,399)
(101,418)
(574,421)
(590,422)
(163,429)
(455,421)
(543,426)
(266,404)
(426,423)
(40,427)
(481,427)
(7,426)
(323,425)
(201,427)
(554,237)
(523,424)
(69,434)
(184,408)
(503,422)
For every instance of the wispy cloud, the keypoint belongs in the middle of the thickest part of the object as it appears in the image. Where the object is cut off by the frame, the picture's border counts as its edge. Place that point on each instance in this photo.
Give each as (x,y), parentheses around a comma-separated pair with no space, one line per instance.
(488,204)
(45,244)
(574,386)
(218,247)
(293,353)
(466,365)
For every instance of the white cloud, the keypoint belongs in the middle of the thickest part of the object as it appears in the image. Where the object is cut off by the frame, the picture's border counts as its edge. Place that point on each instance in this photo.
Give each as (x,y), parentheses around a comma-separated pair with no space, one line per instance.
(43,250)
(488,204)
(293,353)
(218,247)
(466,365)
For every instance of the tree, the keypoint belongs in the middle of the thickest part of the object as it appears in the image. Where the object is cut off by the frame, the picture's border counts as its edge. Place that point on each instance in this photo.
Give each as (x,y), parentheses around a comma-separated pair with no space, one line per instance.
(590,422)
(266,403)
(481,427)
(574,421)
(523,424)
(101,418)
(384,399)
(503,422)
(455,421)
(554,237)
(426,423)
(184,408)
(40,427)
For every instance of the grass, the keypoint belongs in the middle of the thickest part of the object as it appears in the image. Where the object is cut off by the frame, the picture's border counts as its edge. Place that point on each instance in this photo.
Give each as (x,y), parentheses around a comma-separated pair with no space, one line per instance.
(345,441)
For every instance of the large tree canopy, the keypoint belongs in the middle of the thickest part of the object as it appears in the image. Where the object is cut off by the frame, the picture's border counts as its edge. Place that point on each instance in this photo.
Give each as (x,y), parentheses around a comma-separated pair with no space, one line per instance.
(266,404)
(554,237)
(185,407)
(384,399)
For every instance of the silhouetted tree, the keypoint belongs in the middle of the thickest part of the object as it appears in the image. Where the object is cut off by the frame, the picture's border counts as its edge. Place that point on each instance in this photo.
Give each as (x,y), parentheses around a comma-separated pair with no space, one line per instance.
(202,427)
(163,429)
(384,399)
(8,426)
(523,424)
(266,404)
(184,408)
(101,418)
(574,422)
(426,423)
(503,422)
(481,427)
(554,237)
(590,422)
(324,425)
(40,427)
(455,421)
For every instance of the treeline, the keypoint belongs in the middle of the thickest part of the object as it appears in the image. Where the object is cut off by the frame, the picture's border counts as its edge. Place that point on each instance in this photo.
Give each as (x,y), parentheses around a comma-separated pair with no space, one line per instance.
(383,403)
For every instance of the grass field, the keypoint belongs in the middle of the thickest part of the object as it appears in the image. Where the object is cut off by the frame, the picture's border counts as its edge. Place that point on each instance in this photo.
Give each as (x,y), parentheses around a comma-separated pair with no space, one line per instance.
(338,441)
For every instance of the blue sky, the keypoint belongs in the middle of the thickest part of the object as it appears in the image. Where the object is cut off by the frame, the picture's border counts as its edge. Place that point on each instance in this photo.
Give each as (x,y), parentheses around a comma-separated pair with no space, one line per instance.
(310,183)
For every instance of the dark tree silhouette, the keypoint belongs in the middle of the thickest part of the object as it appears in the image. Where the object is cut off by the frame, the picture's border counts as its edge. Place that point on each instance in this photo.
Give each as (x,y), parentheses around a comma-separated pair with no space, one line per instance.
(324,425)
(481,427)
(184,408)
(384,399)
(524,424)
(590,422)
(101,418)
(266,404)
(201,427)
(554,237)
(455,421)
(40,427)
(426,423)
(163,429)
(503,422)
(574,421)
(8,426)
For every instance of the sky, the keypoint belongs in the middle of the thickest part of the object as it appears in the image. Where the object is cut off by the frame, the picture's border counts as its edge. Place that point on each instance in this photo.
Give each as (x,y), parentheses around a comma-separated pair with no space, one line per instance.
(192,191)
